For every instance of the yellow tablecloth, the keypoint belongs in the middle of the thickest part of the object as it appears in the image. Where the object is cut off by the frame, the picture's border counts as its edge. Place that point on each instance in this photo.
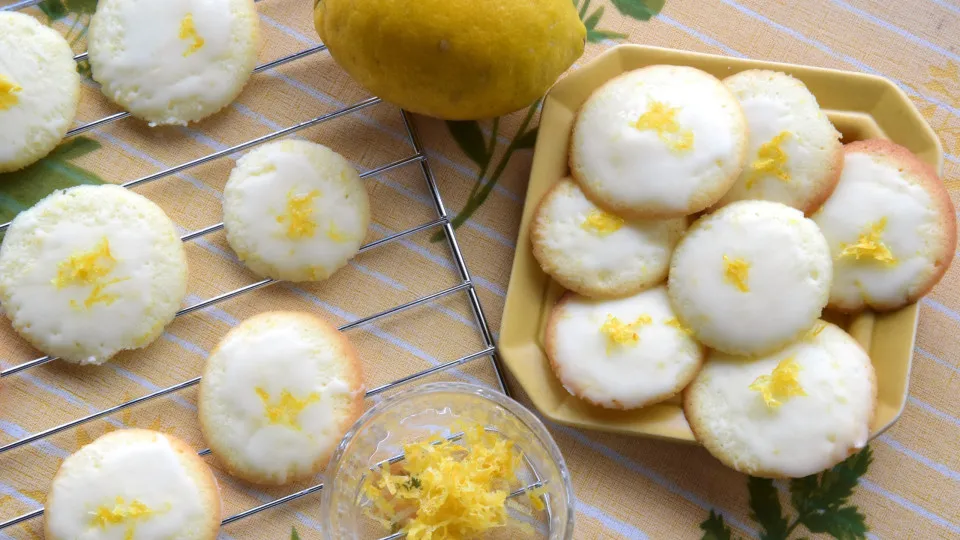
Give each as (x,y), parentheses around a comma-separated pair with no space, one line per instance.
(626,487)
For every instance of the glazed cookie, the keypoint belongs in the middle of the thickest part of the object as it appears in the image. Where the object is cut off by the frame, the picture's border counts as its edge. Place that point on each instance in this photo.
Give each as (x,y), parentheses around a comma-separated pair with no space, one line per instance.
(39,90)
(891,228)
(794,155)
(295,210)
(133,483)
(277,395)
(751,277)
(175,61)
(90,271)
(596,253)
(624,353)
(659,142)
(755,415)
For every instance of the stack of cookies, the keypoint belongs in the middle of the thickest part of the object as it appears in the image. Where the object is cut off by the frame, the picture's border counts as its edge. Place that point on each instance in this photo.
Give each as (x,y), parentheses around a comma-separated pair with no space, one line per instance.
(786,222)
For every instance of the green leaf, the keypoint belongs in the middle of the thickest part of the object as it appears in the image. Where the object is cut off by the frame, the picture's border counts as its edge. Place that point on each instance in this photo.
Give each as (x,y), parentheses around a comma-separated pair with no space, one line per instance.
(75,148)
(294,535)
(714,528)
(833,487)
(584,8)
(598,36)
(469,138)
(83,68)
(592,20)
(53,9)
(527,140)
(642,10)
(765,508)
(845,523)
(82,6)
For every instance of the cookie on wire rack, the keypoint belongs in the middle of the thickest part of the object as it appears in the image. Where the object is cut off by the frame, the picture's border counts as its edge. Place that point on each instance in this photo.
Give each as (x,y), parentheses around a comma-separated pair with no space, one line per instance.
(175,61)
(891,227)
(596,253)
(277,395)
(39,90)
(133,483)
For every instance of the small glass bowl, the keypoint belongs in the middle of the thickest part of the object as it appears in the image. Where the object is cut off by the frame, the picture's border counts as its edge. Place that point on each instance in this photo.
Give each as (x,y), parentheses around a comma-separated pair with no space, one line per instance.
(434,409)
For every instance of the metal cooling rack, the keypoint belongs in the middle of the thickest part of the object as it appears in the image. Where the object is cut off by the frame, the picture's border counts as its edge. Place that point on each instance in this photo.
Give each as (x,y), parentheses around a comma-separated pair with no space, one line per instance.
(441,222)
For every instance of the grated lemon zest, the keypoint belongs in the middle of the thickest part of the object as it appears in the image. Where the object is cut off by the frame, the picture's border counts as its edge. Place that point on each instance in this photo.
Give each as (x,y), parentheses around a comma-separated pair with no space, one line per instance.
(287,409)
(663,119)
(675,322)
(771,160)
(446,489)
(815,331)
(602,223)
(299,215)
(91,268)
(869,245)
(736,272)
(535,496)
(620,333)
(188,31)
(8,93)
(781,384)
(121,513)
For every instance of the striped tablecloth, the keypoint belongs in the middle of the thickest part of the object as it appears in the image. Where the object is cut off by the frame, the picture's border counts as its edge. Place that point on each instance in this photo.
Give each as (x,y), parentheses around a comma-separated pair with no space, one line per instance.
(626,487)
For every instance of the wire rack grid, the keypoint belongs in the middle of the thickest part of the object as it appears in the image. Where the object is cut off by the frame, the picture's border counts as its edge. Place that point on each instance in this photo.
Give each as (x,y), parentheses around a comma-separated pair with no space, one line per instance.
(441,222)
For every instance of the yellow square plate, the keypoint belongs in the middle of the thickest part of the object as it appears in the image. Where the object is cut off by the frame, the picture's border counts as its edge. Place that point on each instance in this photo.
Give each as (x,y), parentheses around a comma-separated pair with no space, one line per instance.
(860,106)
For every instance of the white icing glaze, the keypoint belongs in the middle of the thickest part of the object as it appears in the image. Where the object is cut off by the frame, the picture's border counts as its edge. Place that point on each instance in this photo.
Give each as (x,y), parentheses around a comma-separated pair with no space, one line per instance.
(636,252)
(258,193)
(147,281)
(625,166)
(143,470)
(870,190)
(142,62)
(38,62)
(251,370)
(788,278)
(662,361)
(837,378)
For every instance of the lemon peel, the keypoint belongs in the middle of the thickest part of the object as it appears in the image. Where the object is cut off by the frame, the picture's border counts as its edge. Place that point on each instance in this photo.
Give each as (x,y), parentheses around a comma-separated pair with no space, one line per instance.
(8,93)
(663,120)
(287,409)
(736,272)
(602,223)
(89,268)
(188,31)
(781,384)
(299,215)
(870,246)
(620,333)
(771,160)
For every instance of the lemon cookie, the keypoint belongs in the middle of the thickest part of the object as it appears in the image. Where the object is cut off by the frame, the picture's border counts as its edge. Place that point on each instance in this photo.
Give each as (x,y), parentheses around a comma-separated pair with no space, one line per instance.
(277,395)
(596,253)
(175,61)
(295,210)
(39,90)
(751,277)
(789,414)
(891,228)
(90,271)
(133,483)
(624,353)
(659,142)
(794,155)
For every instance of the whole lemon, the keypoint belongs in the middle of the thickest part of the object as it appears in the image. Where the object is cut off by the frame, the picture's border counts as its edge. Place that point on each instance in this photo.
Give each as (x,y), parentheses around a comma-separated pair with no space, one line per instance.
(453,59)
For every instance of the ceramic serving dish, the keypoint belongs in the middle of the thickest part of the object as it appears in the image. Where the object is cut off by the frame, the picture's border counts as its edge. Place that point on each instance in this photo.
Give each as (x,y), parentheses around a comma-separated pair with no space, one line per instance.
(860,106)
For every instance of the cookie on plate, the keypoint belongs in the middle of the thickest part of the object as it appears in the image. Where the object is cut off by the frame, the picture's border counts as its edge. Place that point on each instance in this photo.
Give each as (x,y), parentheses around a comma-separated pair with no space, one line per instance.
(659,142)
(175,61)
(39,90)
(90,271)
(133,483)
(277,395)
(751,277)
(794,155)
(596,253)
(295,210)
(789,414)
(624,353)
(891,228)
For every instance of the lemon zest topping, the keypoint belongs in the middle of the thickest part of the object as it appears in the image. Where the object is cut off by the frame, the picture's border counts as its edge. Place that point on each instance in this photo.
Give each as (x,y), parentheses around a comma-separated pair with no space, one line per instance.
(601,223)
(781,384)
(535,496)
(815,331)
(299,215)
(675,322)
(89,268)
(188,30)
(287,409)
(445,488)
(8,93)
(121,513)
(771,160)
(869,245)
(663,119)
(736,272)
(620,333)
(336,234)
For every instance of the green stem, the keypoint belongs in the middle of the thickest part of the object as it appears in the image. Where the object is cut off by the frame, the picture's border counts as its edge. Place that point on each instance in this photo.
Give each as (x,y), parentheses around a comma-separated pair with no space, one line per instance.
(72,28)
(83,32)
(491,147)
(583,8)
